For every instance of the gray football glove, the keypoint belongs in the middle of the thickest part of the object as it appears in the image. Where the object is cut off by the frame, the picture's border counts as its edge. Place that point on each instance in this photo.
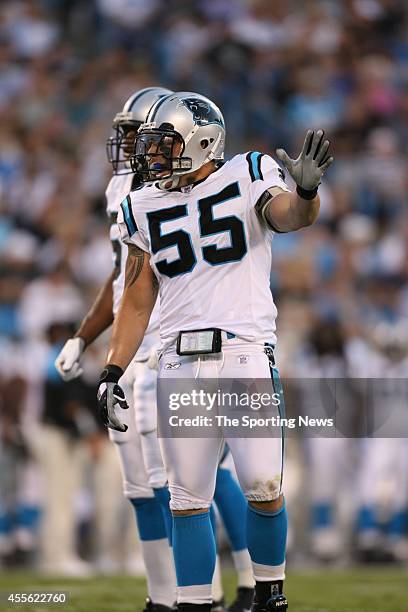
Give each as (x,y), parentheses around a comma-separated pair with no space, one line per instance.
(308,169)
(110,396)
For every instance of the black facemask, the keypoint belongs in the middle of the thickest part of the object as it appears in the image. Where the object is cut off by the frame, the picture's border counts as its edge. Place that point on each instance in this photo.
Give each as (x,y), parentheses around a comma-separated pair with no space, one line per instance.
(120,148)
(155,155)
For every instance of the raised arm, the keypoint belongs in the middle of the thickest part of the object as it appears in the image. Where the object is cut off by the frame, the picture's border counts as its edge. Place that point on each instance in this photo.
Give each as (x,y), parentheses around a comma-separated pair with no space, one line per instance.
(285,211)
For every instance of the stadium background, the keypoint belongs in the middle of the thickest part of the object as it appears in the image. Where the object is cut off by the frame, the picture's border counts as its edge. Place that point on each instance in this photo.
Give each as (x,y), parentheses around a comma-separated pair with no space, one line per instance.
(275,69)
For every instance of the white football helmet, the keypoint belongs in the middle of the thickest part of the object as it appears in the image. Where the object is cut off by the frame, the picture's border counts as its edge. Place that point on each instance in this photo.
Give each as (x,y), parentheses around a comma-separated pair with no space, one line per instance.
(126,123)
(182,132)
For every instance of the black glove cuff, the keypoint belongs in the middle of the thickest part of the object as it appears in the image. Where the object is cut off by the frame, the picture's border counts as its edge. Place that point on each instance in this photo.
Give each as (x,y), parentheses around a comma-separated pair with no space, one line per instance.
(306,194)
(111,373)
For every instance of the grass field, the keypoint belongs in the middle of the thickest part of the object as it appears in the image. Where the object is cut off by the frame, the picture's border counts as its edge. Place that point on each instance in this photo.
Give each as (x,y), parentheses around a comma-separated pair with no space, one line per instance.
(362,590)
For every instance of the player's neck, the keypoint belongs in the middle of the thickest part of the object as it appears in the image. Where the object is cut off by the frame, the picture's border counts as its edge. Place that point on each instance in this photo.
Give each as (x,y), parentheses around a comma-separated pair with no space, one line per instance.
(199,175)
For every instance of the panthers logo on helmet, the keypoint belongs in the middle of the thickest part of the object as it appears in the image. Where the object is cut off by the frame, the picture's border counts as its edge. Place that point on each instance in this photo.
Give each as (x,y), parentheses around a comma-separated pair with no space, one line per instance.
(203,113)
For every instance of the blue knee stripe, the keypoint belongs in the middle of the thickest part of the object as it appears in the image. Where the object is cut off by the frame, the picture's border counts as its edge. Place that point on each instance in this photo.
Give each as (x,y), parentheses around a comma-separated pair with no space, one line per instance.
(149,518)
(193,549)
(266,533)
(163,497)
(224,453)
(232,507)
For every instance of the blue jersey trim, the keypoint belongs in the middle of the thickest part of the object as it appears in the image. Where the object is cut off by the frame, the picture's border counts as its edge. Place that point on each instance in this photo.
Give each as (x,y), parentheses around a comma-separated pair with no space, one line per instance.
(128,216)
(254,162)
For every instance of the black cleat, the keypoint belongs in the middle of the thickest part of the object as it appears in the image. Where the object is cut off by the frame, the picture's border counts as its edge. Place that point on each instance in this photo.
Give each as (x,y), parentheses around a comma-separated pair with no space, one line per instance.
(152,607)
(271,596)
(277,602)
(243,600)
(274,604)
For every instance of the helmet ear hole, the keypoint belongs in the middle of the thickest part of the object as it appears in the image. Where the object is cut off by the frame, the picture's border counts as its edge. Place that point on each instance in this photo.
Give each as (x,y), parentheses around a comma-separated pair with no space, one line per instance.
(211,140)
(204,143)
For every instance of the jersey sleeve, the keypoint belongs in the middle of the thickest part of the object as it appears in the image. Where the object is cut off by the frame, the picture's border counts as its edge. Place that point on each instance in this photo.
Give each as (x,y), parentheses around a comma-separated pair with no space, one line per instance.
(264,174)
(129,231)
(114,237)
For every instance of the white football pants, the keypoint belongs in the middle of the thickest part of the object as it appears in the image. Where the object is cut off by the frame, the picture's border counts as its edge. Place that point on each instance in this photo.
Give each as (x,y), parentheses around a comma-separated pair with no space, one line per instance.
(191,463)
(138,448)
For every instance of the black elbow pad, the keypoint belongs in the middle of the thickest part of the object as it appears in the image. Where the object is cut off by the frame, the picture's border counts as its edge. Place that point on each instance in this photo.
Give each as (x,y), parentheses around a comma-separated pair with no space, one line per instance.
(260,209)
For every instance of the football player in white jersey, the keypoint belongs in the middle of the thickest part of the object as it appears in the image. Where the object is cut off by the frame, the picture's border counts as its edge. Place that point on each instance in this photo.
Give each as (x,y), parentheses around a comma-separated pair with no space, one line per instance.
(382,473)
(144,478)
(200,234)
(140,438)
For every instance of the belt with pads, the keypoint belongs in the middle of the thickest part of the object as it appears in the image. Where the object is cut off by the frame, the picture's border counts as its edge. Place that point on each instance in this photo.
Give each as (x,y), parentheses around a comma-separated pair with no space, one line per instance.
(209,341)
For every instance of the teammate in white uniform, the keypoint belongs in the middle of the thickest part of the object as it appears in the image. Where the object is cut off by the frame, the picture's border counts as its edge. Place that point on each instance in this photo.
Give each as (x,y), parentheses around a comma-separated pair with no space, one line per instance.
(324,356)
(202,234)
(140,437)
(144,477)
(382,473)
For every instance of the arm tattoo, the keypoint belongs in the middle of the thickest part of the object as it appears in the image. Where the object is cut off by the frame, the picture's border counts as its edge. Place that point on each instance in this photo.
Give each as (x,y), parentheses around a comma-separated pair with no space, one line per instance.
(134,264)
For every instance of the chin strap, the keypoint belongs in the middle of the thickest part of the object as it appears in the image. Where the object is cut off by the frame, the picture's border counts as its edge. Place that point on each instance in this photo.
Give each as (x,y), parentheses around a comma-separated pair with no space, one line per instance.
(172,182)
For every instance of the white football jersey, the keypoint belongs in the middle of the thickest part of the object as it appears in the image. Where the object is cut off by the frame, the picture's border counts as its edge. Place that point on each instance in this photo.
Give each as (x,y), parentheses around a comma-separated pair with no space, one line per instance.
(209,249)
(118,188)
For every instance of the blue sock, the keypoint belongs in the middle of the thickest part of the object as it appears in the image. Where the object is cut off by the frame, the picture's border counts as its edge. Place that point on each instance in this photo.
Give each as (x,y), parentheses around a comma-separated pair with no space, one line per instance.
(193,549)
(163,497)
(232,507)
(149,518)
(366,519)
(266,533)
(322,516)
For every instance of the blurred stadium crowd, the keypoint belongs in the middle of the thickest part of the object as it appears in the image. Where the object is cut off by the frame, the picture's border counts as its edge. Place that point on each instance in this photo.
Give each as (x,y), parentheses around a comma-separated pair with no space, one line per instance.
(275,69)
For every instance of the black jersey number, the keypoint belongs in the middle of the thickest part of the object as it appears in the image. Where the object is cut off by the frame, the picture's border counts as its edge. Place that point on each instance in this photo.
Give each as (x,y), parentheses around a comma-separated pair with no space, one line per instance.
(181,239)
(208,226)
